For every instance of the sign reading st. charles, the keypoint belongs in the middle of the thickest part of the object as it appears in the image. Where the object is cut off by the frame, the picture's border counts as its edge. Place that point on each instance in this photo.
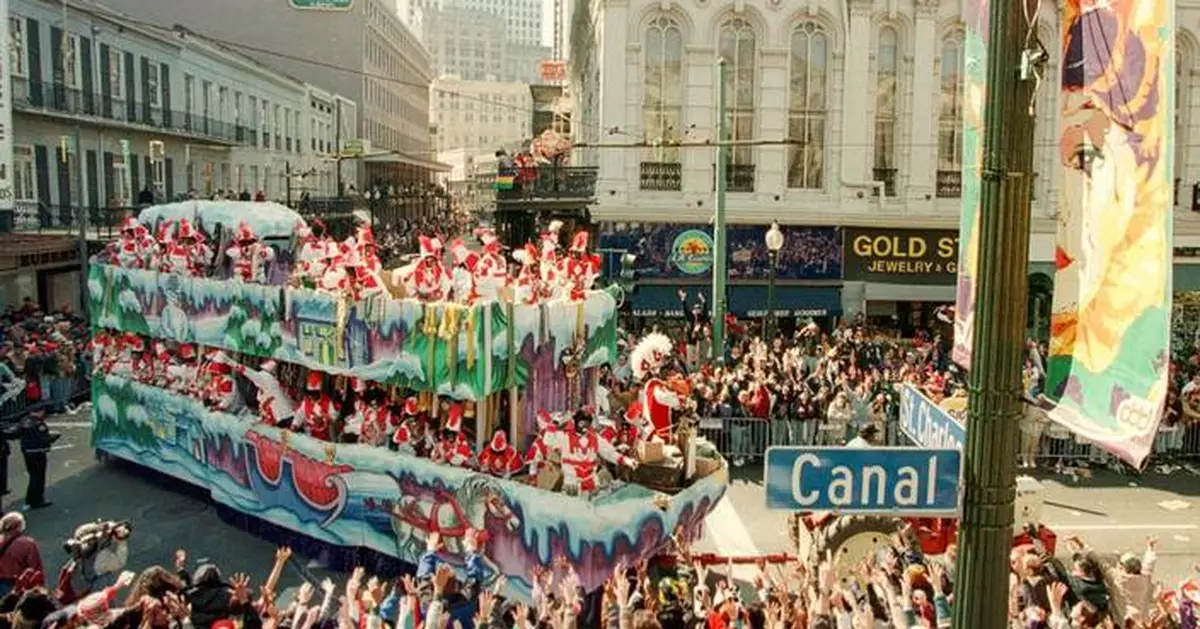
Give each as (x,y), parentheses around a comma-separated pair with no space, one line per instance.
(899,256)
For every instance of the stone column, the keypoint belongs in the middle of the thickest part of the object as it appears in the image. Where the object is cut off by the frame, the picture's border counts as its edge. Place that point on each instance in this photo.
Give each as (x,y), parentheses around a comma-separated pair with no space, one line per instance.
(922,152)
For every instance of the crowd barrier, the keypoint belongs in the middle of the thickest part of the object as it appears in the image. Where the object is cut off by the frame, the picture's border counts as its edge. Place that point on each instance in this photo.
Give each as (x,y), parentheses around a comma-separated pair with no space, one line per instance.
(57,395)
(747,438)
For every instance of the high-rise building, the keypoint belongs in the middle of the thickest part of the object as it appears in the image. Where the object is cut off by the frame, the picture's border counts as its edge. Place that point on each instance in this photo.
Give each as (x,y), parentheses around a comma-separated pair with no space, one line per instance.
(479,116)
(364,51)
(480,40)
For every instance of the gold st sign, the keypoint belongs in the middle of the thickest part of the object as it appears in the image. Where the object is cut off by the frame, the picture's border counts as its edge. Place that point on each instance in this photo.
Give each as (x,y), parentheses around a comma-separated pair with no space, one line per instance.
(901,255)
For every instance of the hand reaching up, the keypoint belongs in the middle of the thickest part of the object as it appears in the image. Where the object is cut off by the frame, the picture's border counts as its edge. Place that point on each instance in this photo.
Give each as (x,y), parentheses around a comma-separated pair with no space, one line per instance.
(441,579)
(180,560)
(240,588)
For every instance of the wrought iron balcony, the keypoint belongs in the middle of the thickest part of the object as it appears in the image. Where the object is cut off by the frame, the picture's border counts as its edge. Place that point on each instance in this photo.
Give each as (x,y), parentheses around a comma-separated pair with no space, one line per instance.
(949,184)
(662,176)
(552,183)
(36,217)
(888,177)
(60,100)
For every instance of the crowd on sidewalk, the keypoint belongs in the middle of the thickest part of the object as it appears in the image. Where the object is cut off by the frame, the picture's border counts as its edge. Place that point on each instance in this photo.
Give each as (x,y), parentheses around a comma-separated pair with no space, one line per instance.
(898,587)
(43,355)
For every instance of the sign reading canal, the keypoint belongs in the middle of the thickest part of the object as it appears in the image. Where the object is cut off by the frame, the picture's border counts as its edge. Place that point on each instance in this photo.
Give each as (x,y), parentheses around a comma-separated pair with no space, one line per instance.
(900,256)
(895,481)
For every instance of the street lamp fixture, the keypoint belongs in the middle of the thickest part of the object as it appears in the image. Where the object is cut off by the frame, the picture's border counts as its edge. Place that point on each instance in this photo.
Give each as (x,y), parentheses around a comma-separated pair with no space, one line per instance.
(774,242)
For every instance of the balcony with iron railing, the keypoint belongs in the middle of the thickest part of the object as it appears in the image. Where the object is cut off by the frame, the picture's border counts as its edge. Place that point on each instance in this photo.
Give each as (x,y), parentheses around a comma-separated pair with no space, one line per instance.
(949,184)
(56,99)
(661,176)
(34,217)
(562,183)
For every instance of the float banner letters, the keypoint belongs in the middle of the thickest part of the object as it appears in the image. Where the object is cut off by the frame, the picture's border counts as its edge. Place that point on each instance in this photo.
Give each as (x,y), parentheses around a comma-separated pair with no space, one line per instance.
(927,424)
(893,481)
(900,256)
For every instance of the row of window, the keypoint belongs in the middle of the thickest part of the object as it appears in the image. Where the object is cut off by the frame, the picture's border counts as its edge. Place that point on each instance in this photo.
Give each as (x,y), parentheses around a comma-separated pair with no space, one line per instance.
(208,108)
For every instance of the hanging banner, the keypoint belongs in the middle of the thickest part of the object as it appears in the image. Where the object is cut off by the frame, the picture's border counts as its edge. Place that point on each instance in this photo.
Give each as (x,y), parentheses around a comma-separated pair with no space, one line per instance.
(1110,326)
(974,96)
(6,139)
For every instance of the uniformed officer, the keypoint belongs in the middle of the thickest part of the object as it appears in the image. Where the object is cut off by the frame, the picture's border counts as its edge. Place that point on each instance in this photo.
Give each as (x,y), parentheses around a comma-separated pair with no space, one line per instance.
(36,441)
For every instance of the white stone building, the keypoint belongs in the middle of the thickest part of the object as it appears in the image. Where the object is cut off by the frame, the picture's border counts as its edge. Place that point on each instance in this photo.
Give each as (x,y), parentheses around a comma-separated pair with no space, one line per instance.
(479,117)
(870,89)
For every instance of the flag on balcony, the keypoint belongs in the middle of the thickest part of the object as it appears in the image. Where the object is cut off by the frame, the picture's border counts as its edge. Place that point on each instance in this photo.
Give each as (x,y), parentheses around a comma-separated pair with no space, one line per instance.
(1107,373)
(505,182)
(971,182)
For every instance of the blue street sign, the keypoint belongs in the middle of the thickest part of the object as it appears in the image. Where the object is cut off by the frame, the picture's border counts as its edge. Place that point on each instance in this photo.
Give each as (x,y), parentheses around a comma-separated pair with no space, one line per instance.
(927,424)
(895,481)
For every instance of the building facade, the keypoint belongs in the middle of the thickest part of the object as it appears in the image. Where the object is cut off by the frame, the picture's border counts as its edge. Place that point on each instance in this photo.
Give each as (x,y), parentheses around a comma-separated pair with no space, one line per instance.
(472,43)
(868,95)
(365,53)
(479,117)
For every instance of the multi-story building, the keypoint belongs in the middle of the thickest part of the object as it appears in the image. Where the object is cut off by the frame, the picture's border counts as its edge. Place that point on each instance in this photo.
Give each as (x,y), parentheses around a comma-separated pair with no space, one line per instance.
(522,19)
(107,111)
(868,95)
(365,52)
(480,116)
(471,43)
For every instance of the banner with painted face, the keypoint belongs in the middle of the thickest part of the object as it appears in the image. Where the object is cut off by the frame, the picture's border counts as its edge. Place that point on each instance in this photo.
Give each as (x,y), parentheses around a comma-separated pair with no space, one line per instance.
(1110,325)
(974,81)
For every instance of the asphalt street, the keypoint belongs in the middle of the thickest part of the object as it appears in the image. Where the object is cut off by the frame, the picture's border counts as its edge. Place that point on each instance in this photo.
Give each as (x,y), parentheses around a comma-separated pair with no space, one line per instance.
(1109,511)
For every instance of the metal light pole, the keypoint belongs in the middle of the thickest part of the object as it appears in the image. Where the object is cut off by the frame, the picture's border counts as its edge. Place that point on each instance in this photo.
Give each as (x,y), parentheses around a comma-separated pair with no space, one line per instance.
(719,269)
(774,242)
(989,462)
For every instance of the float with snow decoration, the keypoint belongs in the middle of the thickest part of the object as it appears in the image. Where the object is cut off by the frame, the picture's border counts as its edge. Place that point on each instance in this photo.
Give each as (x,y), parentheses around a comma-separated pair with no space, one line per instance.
(505,361)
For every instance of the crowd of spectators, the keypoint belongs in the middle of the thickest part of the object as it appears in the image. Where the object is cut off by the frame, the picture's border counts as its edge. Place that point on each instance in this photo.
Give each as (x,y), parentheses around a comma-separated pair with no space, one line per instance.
(42,356)
(898,587)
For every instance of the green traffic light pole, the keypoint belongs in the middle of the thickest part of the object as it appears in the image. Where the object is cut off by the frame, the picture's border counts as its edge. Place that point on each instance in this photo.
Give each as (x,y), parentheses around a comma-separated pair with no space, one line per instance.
(989,457)
(719,262)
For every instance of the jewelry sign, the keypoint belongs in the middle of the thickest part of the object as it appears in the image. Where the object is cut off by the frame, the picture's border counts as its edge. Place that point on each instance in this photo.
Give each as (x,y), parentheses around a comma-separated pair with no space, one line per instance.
(900,256)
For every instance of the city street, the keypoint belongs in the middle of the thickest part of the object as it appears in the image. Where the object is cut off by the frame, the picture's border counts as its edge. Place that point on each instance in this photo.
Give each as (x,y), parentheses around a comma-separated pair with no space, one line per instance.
(1110,512)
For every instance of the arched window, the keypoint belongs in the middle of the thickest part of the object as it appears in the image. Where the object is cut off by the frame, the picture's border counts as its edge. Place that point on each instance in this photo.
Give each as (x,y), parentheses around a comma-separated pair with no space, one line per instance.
(886,108)
(950,119)
(737,48)
(808,106)
(662,105)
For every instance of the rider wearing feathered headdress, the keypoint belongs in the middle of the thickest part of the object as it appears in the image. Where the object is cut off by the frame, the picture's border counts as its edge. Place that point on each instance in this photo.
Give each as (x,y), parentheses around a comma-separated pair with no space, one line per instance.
(657,398)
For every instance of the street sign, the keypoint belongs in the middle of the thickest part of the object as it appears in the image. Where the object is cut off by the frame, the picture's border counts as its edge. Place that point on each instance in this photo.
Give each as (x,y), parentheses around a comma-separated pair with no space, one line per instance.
(892,481)
(354,147)
(322,5)
(927,424)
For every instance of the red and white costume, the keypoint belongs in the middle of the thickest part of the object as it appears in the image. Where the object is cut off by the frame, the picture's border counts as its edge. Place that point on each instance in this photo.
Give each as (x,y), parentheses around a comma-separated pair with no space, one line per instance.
(657,399)
(250,257)
(135,247)
(182,376)
(179,251)
(539,450)
(275,408)
(364,238)
(317,411)
(550,266)
(222,392)
(454,449)
(312,257)
(582,454)
(528,287)
(357,422)
(500,459)
(426,279)
(491,271)
(407,435)
(462,276)
(582,268)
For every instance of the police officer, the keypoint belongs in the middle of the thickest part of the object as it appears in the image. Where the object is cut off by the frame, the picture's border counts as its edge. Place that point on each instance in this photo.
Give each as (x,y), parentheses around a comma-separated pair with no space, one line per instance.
(36,441)
(8,431)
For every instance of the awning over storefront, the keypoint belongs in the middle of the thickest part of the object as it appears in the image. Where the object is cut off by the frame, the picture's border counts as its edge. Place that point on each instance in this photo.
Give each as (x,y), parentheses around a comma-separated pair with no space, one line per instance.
(661,300)
(908,292)
(790,301)
(396,157)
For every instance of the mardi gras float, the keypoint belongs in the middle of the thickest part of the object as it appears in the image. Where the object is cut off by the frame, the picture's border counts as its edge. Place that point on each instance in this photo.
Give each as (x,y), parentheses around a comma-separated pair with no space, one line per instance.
(240,349)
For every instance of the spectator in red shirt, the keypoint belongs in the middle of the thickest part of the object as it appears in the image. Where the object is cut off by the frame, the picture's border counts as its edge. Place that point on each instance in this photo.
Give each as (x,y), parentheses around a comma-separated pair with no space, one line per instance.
(19,554)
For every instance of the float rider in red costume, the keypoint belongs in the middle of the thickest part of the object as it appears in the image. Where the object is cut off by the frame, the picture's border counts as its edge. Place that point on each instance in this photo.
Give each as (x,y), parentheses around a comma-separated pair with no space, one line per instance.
(491,272)
(582,268)
(453,448)
(583,452)
(500,458)
(658,400)
(317,411)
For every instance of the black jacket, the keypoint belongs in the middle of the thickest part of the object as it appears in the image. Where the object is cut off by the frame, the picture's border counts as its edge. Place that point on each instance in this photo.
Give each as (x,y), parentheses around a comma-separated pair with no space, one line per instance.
(35,436)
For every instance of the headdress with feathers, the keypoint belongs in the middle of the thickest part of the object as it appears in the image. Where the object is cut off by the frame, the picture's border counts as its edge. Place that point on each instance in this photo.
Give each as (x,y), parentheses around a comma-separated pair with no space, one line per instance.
(651,352)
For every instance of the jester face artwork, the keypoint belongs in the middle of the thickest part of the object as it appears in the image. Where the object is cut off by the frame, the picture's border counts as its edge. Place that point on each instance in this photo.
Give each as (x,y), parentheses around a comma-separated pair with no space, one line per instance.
(1112,236)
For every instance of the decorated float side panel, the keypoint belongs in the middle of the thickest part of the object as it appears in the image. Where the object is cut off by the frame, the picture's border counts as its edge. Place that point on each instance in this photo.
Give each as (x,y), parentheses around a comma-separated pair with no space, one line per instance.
(363,496)
(459,351)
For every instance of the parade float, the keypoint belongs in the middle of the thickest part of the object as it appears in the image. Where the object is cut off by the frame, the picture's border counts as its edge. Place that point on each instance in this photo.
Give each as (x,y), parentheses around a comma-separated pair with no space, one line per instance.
(302,385)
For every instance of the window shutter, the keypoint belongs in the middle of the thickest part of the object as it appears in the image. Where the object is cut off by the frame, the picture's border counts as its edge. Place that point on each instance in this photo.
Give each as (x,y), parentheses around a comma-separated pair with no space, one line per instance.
(134,177)
(58,94)
(63,165)
(131,111)
(41,163)
(33,38)
(146,118)
(164,82)
(169,167)
(105,83)
(93,181)
(87,84)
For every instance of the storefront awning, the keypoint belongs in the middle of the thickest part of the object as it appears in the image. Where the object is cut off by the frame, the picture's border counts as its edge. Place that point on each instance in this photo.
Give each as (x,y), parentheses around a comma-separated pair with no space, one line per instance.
(396,157)
(790,301)
(909,292)
(660,300)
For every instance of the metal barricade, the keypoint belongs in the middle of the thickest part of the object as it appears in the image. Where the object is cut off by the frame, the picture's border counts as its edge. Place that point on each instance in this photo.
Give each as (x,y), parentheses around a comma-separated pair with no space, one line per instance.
(71,391)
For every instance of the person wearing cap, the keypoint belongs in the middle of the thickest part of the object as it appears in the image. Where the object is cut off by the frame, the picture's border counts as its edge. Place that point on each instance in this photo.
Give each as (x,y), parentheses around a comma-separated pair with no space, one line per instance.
(527,288)
(462,276)
(409,435)
(1133,587)
(580,268)
(317,410)
(275,408)
(500,458)
(36,442)
(453,448)
(491,271)
(221,392)
(539,451)
(582,451)
(868,436)
(250,257)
